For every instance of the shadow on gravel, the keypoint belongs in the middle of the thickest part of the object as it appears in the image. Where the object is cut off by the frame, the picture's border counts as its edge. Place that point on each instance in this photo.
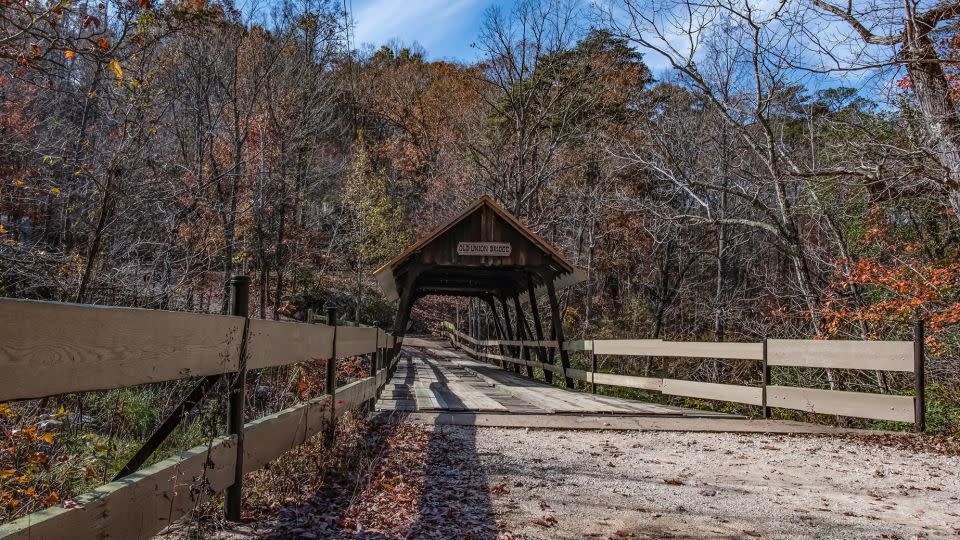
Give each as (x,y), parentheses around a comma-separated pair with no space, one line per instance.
(456,501)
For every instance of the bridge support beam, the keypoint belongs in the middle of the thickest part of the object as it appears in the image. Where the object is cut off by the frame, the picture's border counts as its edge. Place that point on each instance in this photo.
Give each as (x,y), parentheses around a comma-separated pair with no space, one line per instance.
(510,334)
(501,335)
(523,330)
(558,328)
(538,326)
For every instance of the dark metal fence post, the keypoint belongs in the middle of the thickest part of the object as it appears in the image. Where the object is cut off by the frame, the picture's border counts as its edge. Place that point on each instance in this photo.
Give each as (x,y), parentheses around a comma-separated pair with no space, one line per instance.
(239,302)
(919,381)
(766,382)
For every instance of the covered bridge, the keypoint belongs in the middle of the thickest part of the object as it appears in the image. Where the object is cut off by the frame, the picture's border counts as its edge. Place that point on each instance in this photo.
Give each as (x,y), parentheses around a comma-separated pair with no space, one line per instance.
(486,253)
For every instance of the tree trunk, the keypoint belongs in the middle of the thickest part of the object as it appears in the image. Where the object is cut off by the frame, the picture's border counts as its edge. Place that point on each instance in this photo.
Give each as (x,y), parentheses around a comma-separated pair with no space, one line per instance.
(932,92)
(278,260)
(106,205)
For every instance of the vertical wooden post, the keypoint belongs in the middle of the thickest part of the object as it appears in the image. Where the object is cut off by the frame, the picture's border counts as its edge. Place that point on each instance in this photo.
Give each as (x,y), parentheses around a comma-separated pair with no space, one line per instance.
(765,410)
(331,379)
(538,327)
(919,377)
(374,354)
(558,329)
(331,375)
(593,371)
(239,303)
(500,333)
(523,330)
(509,333)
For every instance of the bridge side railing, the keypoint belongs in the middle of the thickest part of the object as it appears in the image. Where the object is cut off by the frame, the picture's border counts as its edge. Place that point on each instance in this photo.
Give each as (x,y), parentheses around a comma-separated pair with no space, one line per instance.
(49,348)
(897,356)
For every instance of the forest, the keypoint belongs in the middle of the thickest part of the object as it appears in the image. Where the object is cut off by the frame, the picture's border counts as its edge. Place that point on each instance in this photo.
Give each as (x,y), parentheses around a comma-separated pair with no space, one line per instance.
(792,168)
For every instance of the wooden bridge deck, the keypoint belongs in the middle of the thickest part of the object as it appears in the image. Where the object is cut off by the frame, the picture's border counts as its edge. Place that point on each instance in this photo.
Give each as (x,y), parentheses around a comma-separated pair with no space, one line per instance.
(432,377)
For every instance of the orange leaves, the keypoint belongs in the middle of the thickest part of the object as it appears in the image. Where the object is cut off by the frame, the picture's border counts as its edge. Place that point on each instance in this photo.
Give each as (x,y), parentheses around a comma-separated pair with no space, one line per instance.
(103,44)
(26,476)
(896,283)
(69,55)
(51,499)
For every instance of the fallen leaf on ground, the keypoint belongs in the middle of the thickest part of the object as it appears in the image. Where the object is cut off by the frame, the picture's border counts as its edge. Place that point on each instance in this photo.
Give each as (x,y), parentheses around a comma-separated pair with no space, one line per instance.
(548,521)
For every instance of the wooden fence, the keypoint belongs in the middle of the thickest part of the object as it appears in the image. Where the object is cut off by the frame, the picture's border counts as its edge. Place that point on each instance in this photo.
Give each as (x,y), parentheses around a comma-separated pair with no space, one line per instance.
(50,348)
(904,356)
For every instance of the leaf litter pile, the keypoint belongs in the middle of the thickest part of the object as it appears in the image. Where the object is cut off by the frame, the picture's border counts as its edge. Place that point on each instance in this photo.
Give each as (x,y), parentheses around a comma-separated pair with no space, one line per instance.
(381,479)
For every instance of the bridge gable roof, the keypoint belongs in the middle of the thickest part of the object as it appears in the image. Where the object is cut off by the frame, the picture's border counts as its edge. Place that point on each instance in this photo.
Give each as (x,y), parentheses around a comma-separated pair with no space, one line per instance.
(483,225)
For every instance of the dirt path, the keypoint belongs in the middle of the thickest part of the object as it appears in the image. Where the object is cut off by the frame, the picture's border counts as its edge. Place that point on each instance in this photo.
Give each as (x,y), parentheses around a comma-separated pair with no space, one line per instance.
(411,481)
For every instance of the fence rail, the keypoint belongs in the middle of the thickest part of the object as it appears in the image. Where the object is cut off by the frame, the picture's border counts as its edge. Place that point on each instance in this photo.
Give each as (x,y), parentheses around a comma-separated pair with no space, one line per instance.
(903,356)
(49,348)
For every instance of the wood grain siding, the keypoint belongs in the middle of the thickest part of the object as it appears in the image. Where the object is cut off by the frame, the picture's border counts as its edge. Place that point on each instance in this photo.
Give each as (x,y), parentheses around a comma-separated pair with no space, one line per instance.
(656,347)
(859,404)
(484,225)
(645,383)
(354,341)
(874,355)
(139,505)
(49,348)
(278,343)
(722,392)
(638,347)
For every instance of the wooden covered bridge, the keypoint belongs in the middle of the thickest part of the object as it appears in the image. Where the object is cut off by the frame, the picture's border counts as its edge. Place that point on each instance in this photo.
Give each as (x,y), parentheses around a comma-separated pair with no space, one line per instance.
(486,253)
(528,376)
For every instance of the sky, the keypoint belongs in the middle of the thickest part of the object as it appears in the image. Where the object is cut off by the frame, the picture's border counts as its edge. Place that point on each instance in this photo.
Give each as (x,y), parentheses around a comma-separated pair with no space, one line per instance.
(445,28)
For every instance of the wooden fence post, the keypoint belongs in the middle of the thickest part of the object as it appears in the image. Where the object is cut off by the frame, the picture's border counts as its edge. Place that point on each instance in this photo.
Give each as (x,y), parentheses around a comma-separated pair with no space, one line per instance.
(376,350)
(593,371)
(331,379)
(239,302)
(766,382)
(919,378)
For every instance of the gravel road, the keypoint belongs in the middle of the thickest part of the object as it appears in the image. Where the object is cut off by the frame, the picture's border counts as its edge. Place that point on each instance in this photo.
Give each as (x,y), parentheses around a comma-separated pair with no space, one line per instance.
(411,481)
(566,484)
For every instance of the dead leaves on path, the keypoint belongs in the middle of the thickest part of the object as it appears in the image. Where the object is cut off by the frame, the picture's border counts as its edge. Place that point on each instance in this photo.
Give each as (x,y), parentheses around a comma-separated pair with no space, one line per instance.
(406,482)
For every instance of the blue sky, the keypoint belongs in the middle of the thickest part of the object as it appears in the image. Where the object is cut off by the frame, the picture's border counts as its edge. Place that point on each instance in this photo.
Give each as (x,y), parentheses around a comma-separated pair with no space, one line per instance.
(445,28)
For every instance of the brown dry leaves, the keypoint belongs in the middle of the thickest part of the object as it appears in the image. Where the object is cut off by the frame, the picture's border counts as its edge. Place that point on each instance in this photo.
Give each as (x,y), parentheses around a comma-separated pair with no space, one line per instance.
(389,480)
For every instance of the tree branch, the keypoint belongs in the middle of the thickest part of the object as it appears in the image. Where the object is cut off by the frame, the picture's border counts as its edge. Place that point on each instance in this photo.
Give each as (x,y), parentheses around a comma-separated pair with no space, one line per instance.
(866,34)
